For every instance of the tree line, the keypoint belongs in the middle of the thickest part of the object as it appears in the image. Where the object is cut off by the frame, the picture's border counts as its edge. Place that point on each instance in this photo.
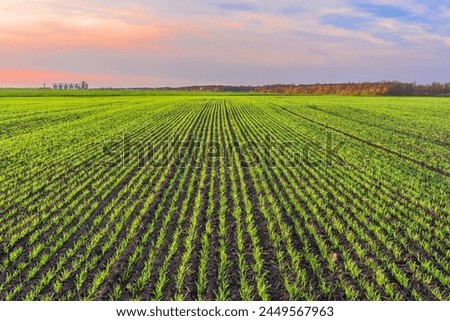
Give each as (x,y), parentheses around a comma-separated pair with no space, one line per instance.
(392,88)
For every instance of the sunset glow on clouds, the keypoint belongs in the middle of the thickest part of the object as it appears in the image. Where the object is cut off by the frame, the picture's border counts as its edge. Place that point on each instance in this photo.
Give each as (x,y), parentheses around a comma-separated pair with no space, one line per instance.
(160,43)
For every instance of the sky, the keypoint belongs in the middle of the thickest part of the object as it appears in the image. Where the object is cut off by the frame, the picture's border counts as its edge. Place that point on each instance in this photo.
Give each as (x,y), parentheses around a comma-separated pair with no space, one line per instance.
(140,43)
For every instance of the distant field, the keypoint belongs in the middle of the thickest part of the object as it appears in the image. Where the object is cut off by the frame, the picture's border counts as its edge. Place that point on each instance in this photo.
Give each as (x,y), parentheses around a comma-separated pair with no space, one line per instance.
(158,196)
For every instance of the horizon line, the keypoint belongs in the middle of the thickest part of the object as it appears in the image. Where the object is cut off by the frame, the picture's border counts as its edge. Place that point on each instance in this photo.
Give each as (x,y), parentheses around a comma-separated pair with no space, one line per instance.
(231,85)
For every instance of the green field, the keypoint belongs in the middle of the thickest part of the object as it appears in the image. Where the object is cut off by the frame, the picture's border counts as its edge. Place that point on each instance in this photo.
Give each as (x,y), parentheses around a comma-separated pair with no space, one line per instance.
(117,195)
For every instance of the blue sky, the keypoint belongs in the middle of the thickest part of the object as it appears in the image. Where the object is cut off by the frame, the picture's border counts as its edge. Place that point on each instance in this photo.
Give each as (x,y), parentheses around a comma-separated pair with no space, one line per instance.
(173,43)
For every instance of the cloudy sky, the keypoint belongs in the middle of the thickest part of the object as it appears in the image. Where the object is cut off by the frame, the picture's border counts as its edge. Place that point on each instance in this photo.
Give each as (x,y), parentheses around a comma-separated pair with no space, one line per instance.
(172,43)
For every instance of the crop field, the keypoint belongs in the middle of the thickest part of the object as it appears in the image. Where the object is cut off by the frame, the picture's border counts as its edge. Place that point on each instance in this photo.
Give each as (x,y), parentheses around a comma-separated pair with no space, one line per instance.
(176,196)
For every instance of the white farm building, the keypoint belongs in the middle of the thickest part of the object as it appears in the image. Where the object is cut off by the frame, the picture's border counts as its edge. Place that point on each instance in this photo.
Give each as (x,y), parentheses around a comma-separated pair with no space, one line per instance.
(70,85)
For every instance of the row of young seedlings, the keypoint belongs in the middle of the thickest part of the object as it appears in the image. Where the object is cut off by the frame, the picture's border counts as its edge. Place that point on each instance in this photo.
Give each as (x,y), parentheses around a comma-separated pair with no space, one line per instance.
(225,247)
(250,264)
(39,220)
(135,256)
(94,231)
(46,241)
(425,196)
(16,226)
(431,198)
(220,210)
(205,205)
(50,172)
(276,210)
(288,258)
(385,195)
(155,239)
(80,185)
(41,161)
(188,214)
(44,181)
(25,116)
(35,269)
(132,206)
(286,187)
(392,132)
(407,227)
(252,267)
(222,252)
(291,275)
(397,272)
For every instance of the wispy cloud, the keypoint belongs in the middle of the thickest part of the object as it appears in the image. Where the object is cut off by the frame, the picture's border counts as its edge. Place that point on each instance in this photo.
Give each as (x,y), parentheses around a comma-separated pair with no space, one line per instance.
(291,10)
(237,6)
(346,22)
(53,27)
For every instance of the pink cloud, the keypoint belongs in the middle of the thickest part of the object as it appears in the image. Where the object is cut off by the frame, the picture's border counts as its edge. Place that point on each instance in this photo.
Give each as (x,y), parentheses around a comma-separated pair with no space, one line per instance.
(63,35)
(53,27)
